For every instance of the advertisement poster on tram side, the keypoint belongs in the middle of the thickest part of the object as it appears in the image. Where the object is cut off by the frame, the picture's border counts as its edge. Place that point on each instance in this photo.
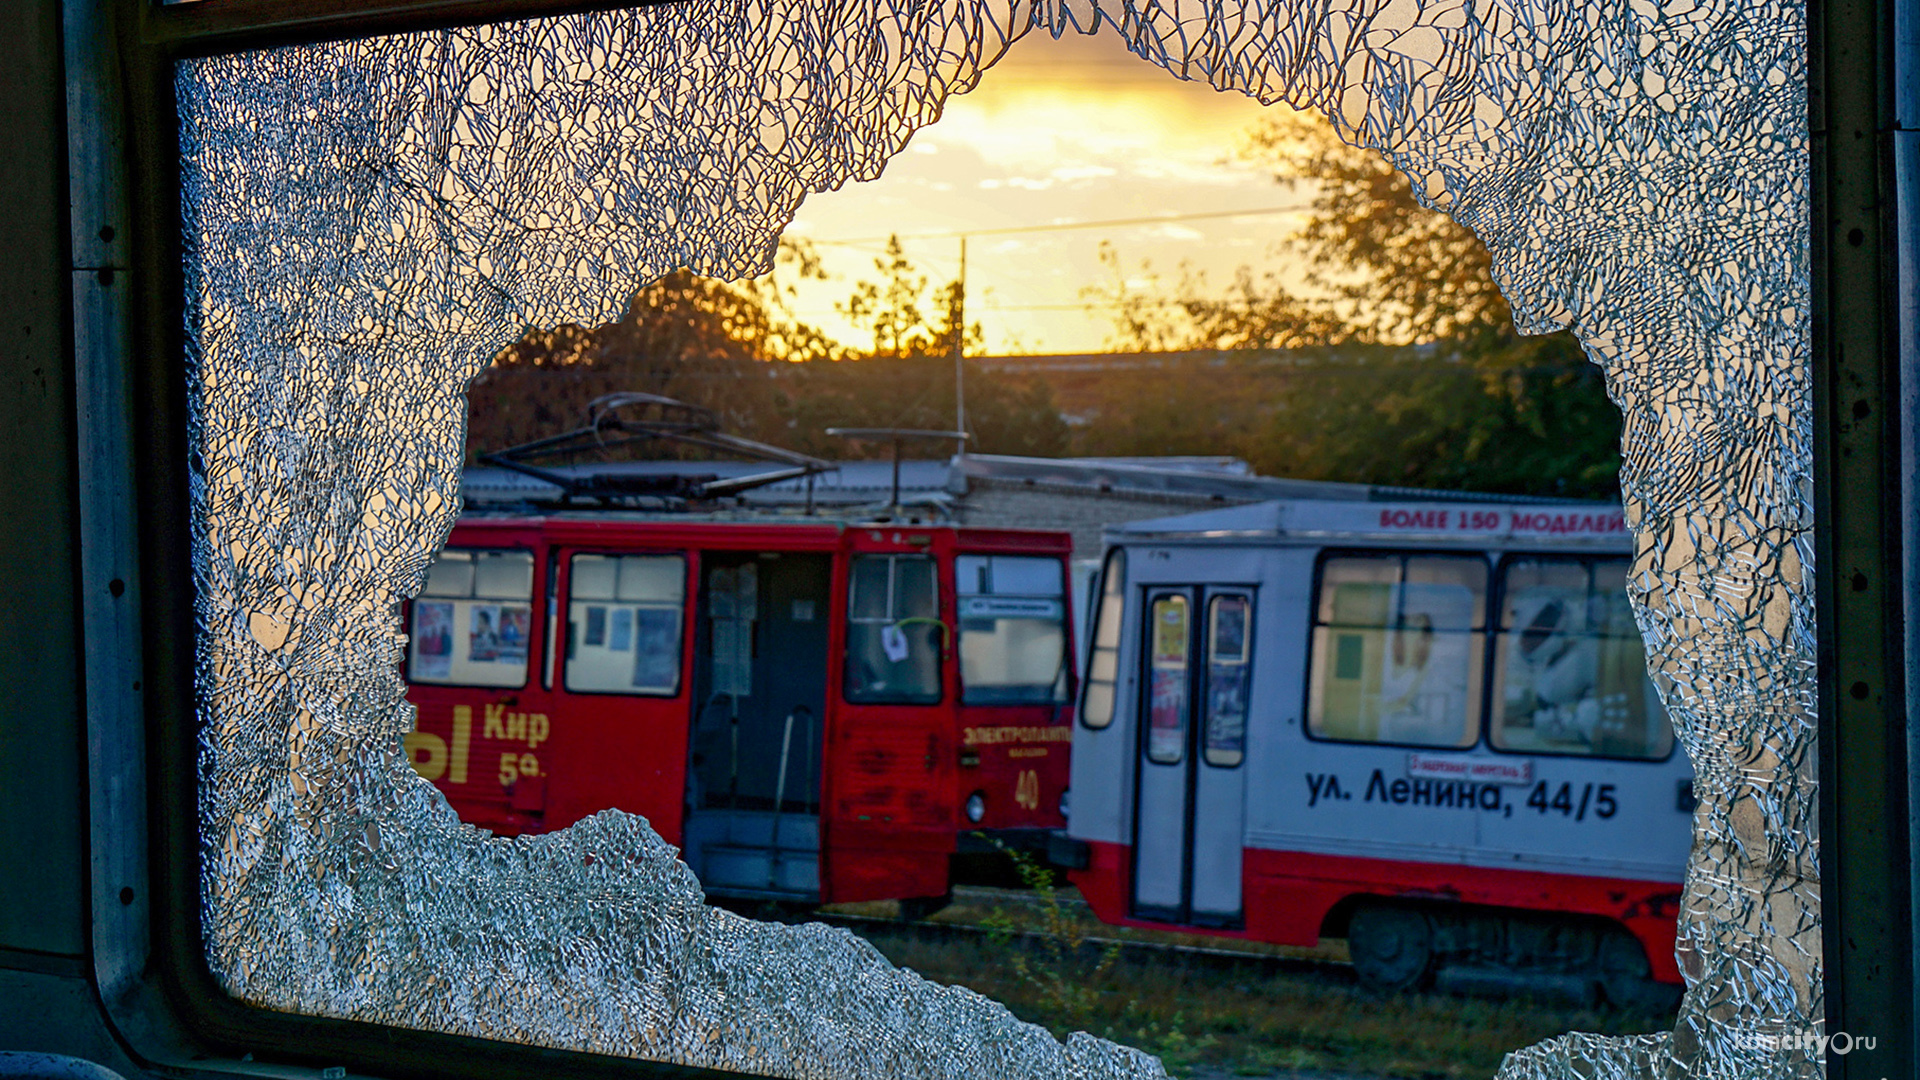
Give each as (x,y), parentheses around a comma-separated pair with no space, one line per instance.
(497,633)
(483,635)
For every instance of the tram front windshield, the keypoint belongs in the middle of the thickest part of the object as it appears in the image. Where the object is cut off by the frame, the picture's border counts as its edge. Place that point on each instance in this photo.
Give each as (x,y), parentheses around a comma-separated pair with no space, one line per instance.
(1013,636)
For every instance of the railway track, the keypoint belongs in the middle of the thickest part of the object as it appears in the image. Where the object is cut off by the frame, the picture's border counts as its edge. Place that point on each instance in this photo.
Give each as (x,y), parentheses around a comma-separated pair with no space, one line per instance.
(1131,949)
(1253,960)
(1199,956)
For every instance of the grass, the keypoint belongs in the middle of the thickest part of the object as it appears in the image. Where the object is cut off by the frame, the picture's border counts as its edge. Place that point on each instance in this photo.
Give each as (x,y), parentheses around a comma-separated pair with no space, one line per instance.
(1208,1020)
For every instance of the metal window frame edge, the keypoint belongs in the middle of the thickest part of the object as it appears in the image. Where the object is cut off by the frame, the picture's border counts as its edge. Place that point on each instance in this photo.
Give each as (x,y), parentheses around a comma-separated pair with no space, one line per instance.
(129,343)
(1862,89)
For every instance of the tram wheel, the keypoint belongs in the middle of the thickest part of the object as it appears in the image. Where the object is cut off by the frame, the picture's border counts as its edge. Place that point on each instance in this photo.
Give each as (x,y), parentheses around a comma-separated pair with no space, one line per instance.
(1391,946)
(1625,976)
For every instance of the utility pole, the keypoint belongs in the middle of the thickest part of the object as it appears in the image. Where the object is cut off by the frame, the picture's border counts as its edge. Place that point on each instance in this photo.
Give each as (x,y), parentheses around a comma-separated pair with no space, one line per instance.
(959,344)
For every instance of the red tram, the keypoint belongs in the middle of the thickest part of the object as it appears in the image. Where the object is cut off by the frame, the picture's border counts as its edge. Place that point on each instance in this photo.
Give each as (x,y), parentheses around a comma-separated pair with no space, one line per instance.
(814,711)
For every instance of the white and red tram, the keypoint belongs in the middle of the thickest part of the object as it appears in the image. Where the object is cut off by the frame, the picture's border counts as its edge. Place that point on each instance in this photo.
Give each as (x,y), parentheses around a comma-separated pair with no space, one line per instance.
(1424,727)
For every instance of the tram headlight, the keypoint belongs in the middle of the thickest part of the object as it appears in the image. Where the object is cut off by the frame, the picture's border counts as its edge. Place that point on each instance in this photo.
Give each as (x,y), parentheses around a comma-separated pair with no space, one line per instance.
(1066,810)
(976,807)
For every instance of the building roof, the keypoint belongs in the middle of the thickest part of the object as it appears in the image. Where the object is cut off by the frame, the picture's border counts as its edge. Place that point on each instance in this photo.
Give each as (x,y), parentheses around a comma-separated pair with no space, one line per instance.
(849,483)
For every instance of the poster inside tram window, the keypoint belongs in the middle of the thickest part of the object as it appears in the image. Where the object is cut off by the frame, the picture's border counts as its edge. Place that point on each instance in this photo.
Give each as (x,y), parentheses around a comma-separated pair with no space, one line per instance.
(432,639)
(1167,715)
(1226,713)
(516,622)
(1227,676)
(483,633)
(1398,665)
(656,649)
(1167,681)
(1426,666)
(1170,631)
(1227,638)
(497,633)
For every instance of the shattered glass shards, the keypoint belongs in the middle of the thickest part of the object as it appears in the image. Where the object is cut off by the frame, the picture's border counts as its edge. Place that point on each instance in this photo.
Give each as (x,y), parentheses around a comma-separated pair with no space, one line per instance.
(368,221)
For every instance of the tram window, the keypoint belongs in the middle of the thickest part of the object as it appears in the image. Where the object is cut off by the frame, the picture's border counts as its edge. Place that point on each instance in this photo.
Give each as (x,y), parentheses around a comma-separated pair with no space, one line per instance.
(1170,631)
(1569,666)
(1103,657)
(623,623)
(1013,633)
(893,631)
(1229,647)
(472,621)
(1397,650)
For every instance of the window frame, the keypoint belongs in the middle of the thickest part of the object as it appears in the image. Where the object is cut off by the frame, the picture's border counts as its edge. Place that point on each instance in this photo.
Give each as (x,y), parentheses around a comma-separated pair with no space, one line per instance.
(1247,595)
(1064,678)
(133,47)
(1115,558)
(1496,606)
(941,646)
(1326,555)
(130,347)
(562,630)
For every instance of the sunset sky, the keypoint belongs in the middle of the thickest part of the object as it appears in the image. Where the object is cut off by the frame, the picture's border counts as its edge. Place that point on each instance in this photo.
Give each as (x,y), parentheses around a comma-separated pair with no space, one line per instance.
(1059,131)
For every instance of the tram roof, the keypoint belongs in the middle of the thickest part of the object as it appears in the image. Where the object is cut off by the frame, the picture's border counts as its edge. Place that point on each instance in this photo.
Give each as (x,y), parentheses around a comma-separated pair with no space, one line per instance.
(941,481)
(848,483)
(1251,508)
(1423,521)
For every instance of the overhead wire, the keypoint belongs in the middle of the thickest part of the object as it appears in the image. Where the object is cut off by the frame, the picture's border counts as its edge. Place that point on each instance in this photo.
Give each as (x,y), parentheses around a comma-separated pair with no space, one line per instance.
(1059,226)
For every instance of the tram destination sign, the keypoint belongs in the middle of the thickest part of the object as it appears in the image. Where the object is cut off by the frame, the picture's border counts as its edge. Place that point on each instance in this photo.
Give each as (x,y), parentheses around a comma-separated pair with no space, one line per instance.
(1008,607)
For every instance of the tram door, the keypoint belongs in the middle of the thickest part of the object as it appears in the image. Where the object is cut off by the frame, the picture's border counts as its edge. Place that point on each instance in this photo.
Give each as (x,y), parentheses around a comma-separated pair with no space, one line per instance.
(760,674)
(1190,802)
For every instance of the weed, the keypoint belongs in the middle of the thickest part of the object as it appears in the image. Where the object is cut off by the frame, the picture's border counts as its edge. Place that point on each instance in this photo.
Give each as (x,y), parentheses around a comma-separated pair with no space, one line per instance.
(1053,961)
(1043,961)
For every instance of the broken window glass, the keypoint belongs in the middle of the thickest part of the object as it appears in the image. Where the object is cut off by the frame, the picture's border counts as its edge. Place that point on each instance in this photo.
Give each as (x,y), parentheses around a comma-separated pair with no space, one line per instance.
(366,222)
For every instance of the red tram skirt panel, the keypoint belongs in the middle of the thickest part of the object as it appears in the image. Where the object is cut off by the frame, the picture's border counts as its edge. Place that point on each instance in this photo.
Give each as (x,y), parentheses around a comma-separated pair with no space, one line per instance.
(1291,894)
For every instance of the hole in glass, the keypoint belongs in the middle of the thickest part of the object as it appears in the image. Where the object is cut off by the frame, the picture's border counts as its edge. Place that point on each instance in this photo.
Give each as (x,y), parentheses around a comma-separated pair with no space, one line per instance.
(329,352)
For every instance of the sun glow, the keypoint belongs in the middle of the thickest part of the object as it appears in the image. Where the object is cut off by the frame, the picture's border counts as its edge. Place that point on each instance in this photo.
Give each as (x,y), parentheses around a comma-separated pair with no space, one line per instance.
(1065,131)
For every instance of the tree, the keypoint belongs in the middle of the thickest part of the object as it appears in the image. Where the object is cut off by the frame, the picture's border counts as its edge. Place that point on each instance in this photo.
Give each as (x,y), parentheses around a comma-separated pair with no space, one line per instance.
(704,341)
(1409,273)
(896,310)
(1426,416)
(1475,406)
(1255,312)
(906,380)
(737,349)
